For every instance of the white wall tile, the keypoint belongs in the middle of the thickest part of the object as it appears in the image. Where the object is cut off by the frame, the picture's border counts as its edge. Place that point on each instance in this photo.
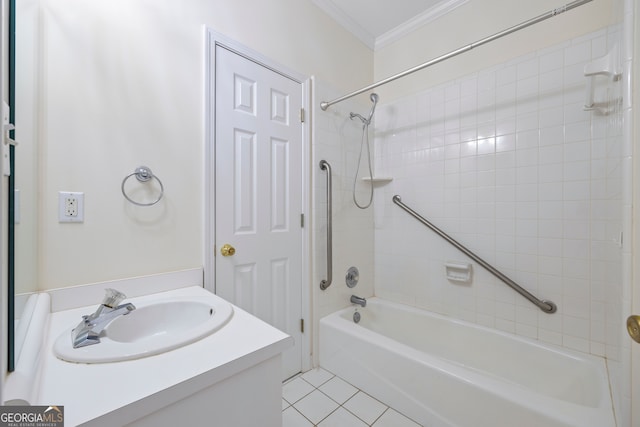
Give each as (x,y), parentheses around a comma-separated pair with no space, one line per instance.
(516,169)
(577,53)
(551,173)
(548,154)
(552,116)
(552,60)
(551,82)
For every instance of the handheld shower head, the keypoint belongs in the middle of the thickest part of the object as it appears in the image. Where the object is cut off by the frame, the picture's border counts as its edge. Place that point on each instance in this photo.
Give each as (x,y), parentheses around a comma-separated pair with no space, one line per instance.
(374,98)
(365,140)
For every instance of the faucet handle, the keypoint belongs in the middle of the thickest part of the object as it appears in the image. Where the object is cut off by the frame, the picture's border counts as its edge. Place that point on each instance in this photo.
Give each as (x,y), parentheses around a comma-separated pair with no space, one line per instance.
(112,297)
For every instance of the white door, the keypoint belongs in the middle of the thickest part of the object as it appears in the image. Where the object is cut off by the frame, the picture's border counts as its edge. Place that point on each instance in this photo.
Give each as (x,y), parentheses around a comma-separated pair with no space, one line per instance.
(258,194)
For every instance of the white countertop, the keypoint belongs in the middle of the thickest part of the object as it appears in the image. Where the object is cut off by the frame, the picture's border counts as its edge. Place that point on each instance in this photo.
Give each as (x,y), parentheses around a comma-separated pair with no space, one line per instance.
(117,393)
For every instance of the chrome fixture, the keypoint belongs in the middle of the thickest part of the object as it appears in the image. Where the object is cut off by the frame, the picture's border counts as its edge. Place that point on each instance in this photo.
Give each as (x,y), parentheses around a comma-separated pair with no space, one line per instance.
(365,138)
(356,316)
(142,174)
(374,98)
(325,283)
(352,277)
(550,14)
(357,300)
(544,305)
(88,330)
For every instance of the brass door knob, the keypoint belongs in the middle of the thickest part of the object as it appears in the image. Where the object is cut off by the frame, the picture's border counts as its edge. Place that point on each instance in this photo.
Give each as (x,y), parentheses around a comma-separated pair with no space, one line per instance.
(227,250)
(633,327)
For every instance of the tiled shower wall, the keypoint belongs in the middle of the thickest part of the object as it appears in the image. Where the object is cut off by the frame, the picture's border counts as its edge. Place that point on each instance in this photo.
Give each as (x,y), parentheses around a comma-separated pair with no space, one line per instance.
(338,140)
(508,162)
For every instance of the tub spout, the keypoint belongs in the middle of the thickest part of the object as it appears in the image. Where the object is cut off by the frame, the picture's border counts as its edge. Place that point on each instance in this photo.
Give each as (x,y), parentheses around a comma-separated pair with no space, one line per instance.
(358,300)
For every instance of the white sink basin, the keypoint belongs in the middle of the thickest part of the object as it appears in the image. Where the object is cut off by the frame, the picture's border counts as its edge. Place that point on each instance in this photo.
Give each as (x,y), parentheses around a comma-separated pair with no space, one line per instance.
(157,325)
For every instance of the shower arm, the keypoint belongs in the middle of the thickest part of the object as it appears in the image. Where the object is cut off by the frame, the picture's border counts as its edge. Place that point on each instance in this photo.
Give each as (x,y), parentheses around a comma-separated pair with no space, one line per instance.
(550,14)
(544,305)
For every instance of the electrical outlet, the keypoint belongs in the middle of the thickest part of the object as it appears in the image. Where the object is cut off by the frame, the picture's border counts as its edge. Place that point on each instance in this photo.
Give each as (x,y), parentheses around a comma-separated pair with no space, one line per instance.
(70,206)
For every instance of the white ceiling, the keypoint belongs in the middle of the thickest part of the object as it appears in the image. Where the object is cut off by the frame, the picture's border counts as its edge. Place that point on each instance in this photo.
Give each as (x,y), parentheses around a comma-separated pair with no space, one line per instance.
(379,22)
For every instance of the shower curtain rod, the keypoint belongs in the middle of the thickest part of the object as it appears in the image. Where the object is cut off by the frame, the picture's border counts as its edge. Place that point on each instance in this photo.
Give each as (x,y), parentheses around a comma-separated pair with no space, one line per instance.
(325,104)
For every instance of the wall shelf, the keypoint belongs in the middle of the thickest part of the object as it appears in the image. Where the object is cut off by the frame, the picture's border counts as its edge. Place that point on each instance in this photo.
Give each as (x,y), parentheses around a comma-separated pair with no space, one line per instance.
(378,179)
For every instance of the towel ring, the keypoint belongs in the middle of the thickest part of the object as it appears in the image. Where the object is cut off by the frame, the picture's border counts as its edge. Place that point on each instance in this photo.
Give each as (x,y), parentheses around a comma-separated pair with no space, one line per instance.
(142,174)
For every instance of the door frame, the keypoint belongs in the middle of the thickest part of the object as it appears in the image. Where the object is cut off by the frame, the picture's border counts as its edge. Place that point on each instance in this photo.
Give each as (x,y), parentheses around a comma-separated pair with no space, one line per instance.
(213,41)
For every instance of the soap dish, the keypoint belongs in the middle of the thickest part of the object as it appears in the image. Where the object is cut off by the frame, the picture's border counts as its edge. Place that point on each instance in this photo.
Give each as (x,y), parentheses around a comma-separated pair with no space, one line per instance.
(459,271)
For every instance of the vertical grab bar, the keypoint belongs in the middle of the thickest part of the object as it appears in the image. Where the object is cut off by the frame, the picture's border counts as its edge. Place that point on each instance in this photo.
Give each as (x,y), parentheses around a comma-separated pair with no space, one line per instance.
(324,284)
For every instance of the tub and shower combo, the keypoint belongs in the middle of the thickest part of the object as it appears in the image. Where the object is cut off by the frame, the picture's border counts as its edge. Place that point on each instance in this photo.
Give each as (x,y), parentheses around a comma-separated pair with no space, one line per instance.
(444,372)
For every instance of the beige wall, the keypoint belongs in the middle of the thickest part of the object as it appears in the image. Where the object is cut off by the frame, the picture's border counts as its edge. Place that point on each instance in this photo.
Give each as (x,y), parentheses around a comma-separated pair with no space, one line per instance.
(121,84)
(474,21)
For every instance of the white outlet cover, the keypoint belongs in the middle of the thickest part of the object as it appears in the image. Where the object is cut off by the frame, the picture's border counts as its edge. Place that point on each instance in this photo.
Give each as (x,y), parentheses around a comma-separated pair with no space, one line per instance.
(63,197)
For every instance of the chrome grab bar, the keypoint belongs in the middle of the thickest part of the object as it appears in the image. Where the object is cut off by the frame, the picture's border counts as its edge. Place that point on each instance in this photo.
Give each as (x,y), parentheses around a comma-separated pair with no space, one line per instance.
(324,284)
(544,305)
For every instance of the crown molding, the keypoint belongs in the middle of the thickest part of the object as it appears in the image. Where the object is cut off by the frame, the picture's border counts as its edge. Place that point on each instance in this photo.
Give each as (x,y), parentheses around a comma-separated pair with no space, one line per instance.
(349,24)
(416,22)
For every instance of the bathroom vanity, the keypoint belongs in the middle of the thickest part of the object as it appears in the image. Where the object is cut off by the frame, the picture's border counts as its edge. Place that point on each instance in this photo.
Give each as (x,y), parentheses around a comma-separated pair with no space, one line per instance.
(230,377)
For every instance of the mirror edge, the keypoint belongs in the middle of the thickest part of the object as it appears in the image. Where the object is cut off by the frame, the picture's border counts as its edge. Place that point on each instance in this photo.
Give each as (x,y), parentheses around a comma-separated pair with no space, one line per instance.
(10,196)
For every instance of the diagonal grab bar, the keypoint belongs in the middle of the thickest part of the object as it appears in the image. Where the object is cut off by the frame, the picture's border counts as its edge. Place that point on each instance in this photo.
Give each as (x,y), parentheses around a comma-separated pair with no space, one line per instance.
(544,305)
(325,283)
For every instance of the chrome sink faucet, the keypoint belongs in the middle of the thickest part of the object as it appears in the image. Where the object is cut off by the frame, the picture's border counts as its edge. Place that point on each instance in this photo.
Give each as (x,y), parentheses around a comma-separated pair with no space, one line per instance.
(88,330)
(358,300)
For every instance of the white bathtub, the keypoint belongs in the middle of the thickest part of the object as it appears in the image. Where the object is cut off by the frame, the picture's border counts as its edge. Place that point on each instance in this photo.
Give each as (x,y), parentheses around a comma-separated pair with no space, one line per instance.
(444,372)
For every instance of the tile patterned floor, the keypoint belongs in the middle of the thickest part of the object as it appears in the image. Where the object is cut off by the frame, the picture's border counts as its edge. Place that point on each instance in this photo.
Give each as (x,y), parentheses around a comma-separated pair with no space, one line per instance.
(319,398)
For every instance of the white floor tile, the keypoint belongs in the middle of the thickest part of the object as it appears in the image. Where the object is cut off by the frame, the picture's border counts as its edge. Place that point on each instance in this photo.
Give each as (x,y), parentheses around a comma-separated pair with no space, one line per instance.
(365,407)
(393,418)
(317,377)
(315,397)
(296,390)
(288,380)
(316,406)
(342,418)
(293,418)
(338,389)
